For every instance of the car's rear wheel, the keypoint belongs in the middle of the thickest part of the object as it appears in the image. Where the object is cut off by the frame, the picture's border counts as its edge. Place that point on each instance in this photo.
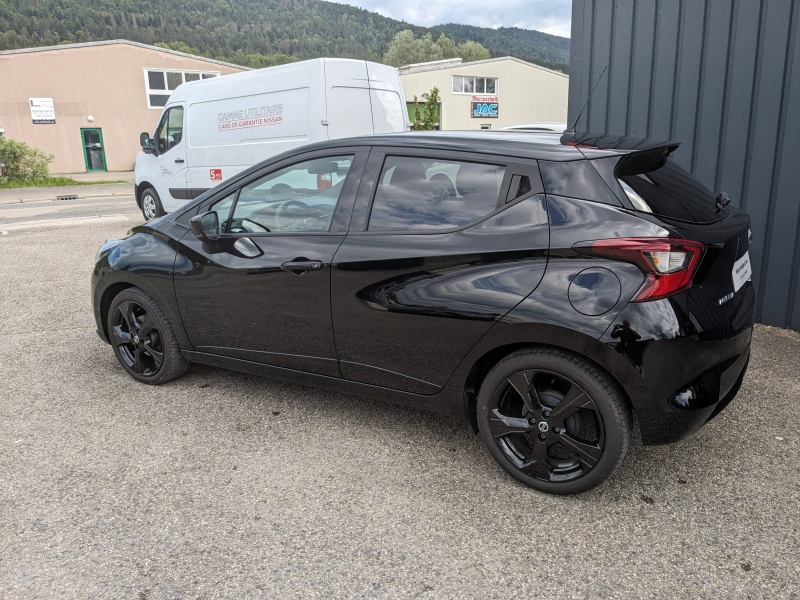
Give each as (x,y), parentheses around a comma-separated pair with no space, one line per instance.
(553,420)
(143,340)
(151,205)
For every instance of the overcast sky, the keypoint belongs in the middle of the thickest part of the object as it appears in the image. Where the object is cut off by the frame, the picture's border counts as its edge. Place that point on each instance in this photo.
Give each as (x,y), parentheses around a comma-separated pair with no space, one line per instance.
(551,16)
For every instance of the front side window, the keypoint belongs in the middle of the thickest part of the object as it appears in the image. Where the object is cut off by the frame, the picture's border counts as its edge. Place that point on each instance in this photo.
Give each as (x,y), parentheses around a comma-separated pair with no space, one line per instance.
(301,197)
(426,193)
(170,132)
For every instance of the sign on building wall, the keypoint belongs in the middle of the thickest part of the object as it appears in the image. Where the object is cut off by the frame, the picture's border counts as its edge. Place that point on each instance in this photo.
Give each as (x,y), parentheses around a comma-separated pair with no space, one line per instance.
(485,107)
(42,111)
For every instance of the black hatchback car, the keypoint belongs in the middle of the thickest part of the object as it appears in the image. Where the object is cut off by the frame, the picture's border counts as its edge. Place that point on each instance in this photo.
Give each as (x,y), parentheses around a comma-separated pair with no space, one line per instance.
(541,287)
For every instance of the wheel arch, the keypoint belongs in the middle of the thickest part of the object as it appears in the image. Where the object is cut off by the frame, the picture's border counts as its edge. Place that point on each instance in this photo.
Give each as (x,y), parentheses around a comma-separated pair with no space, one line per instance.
(487,355)
(114,282)
(141,187)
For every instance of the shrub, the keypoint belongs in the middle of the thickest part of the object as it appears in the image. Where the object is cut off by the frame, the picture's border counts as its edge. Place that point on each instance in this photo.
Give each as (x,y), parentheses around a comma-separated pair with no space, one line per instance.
(22,162)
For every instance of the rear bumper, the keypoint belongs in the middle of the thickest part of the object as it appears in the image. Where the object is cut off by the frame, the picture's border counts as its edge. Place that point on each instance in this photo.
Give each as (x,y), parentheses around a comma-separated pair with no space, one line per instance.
(676,377)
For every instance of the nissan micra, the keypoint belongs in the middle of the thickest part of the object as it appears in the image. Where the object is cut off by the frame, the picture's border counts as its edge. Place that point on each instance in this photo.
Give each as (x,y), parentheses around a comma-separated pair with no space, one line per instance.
(542,287)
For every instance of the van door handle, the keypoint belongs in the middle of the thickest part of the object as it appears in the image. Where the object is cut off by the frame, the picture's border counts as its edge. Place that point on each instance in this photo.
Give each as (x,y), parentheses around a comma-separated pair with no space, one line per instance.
(179,160)
(301,267)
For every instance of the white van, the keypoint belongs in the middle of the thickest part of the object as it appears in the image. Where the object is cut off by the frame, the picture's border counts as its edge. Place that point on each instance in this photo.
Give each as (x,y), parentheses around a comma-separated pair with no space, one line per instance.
(212,129)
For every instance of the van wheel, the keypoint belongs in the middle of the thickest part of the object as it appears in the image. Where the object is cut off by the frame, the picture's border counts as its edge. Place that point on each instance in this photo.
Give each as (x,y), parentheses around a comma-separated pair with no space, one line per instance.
(553,421)
(151,205)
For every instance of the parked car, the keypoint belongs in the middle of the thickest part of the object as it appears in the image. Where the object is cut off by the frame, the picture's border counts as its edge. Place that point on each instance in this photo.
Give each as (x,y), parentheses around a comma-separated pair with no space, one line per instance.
(565,284)
(212,129)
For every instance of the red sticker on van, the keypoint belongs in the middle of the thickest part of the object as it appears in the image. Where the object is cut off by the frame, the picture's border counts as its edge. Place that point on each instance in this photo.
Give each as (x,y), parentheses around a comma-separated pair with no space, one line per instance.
(216,174)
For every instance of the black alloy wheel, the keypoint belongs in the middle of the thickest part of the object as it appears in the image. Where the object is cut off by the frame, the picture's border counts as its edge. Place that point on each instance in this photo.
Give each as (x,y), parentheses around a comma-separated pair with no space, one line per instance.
(553,421)
(137,339)
(143,340)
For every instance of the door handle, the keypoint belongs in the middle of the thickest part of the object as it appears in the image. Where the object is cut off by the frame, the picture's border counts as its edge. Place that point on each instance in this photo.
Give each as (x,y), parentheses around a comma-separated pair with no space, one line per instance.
(179,160)
(300,267)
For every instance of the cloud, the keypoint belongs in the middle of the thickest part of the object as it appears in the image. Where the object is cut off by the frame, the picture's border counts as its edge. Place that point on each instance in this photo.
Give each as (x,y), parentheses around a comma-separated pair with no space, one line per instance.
(550,16)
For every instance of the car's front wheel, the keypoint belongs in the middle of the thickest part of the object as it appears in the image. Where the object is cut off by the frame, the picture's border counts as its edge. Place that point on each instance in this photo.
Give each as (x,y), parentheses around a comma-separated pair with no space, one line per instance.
(143,340)
(151,205)
(553,420)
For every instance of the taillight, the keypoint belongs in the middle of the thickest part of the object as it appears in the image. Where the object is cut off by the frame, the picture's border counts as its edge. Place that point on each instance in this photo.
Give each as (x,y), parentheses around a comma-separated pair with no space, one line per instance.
(667,263)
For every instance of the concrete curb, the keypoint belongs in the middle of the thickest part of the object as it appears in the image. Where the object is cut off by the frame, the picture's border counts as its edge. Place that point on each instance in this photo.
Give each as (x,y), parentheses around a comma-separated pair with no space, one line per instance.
(54,198)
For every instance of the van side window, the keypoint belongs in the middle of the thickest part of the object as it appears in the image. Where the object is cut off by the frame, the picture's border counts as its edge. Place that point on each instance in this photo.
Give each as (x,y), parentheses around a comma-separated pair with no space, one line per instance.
(170,132)
(426,193)
(300,197)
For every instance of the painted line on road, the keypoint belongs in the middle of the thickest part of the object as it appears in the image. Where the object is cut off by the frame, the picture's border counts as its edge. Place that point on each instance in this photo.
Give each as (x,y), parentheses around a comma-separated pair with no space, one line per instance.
(68,222)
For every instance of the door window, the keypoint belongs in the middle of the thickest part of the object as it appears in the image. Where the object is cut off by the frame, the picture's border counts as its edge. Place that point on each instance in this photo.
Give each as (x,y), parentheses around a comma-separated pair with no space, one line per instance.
(93,151)
(170,132)
(426,193)
(223,208)
(301,197)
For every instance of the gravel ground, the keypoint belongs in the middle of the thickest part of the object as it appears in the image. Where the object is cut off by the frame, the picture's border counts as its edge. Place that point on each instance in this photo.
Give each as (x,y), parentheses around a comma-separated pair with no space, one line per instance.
(228,485)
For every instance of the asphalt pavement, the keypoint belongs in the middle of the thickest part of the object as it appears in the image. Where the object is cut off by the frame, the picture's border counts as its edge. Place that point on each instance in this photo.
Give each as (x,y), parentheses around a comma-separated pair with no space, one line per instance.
(225,485)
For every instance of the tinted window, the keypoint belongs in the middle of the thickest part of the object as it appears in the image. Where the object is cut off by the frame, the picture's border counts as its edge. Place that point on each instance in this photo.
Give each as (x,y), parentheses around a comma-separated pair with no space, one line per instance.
(576,179)
(301,197)
(666,189)
(425,193)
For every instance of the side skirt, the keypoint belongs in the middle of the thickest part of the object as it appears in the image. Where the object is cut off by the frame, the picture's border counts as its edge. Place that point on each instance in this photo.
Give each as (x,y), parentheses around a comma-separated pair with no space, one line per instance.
(438,403)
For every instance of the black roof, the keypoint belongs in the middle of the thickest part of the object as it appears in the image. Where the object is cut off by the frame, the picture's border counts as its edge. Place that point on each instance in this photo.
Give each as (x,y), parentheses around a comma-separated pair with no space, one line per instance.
(522,144)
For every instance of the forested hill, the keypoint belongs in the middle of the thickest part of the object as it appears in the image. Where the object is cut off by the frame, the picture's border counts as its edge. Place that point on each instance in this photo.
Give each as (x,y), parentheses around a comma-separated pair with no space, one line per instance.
(541,48)
(228,28)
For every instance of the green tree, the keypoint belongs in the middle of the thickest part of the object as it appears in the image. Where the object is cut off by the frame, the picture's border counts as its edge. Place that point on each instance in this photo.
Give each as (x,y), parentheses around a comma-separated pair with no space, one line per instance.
(180,47)
(405,49)
(430,112)
(448,46)
(470,51)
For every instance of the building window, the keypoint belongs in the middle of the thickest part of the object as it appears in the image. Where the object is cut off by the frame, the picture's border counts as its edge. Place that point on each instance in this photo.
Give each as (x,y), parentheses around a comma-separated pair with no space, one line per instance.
(474,85)
(161,83)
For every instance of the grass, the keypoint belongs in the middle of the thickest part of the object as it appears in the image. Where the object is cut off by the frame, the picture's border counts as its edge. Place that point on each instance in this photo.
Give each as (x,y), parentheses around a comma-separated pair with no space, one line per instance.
(50,182)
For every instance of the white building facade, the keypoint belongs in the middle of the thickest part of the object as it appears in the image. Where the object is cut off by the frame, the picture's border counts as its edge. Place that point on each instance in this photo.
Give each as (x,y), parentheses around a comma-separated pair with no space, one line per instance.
(488,94)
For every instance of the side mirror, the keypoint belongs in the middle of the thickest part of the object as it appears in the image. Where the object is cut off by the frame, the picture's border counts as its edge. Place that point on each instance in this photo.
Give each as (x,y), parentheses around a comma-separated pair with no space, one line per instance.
(145,142)
(206,226)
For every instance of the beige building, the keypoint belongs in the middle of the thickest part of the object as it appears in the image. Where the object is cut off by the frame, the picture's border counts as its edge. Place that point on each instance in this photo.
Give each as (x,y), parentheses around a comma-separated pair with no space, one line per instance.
(86,104)
(488,94)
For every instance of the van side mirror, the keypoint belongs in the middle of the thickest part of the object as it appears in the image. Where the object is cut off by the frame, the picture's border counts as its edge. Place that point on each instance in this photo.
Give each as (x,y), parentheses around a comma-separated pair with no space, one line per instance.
(145,142)
(206,226)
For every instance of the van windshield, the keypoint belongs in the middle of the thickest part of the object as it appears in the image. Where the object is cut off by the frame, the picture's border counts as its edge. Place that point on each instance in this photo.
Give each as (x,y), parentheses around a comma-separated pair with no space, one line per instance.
(667,190)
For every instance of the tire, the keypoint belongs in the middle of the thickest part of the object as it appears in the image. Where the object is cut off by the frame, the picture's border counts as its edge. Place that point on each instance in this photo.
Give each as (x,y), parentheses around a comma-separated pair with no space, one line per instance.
(143,340)
(553,421)
(151,205)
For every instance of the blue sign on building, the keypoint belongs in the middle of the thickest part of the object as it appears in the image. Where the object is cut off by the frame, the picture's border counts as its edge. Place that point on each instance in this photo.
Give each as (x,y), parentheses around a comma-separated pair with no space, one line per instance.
(485,110)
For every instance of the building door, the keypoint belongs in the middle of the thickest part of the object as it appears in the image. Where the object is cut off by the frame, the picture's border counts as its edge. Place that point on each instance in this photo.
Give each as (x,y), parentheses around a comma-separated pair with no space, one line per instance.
(93,152)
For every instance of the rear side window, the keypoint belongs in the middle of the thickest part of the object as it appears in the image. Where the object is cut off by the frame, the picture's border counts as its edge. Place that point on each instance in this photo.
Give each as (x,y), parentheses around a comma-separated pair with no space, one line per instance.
(664,188)
(576,179)
(425,193)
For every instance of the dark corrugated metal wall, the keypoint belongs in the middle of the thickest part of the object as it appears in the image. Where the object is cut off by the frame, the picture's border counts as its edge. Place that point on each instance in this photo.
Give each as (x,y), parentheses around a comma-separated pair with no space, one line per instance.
(723,78)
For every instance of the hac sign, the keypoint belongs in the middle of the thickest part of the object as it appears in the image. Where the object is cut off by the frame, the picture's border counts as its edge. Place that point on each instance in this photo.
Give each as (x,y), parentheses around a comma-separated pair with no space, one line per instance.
(485,107)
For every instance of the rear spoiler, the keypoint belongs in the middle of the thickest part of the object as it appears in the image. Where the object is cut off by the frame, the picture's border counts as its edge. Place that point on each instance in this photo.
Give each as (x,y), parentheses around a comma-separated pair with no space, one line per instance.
(639,155)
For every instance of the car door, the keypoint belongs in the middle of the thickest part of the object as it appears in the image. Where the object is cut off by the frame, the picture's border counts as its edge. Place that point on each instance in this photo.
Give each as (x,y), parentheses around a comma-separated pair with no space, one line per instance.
(441,246)
(262,292)
(169,159)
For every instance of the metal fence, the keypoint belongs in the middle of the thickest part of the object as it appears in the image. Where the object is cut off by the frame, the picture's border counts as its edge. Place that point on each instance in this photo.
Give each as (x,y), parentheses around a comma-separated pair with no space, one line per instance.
(723,78)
